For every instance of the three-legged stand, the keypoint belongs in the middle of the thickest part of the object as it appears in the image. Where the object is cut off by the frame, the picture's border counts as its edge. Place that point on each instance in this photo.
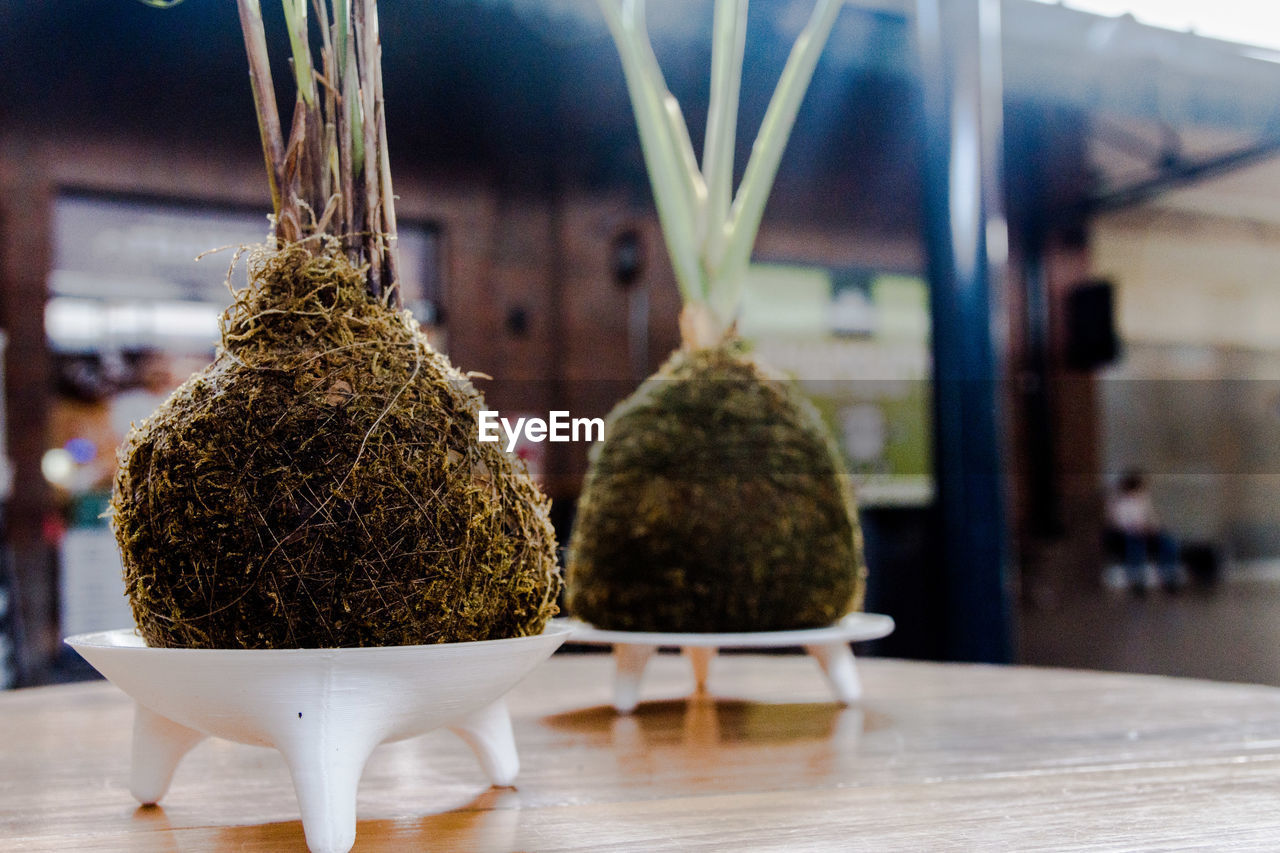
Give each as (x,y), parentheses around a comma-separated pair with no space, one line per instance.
(325,760)
(836,660)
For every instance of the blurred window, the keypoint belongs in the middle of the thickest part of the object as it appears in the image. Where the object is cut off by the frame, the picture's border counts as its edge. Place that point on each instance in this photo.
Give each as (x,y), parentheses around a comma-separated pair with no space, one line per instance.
(857,340)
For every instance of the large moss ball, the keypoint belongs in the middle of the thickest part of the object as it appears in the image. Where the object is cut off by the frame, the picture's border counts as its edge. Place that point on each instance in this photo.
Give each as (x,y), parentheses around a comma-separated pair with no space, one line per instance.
(717,502)
(320,484)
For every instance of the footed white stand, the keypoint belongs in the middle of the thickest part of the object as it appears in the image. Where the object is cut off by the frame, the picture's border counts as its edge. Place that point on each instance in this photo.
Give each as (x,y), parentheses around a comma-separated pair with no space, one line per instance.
(326,771)
(325,710)
(828,646)
(838,665)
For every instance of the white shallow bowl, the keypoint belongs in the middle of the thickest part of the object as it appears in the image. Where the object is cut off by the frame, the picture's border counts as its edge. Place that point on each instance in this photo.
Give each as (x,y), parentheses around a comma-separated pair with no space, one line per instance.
(852,628)
(324,709)
(828,646)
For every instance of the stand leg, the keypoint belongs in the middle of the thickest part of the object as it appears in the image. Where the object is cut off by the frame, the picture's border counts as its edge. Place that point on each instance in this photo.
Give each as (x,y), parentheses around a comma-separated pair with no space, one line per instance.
(836,660)
(326,767)
(488,733)
(700,658)
(158,745)
(631,661)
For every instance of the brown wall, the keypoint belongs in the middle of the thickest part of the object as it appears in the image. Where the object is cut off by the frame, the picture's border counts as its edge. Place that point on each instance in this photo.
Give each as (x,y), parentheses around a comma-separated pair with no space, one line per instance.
(25,195)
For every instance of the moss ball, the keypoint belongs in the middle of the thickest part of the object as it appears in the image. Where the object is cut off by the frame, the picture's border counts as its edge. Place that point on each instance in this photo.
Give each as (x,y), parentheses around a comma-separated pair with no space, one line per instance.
(717,502)
(320,485)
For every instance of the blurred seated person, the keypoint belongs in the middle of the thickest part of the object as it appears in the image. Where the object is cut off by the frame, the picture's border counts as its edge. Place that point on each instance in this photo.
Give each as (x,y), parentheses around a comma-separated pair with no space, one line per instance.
(1134,534)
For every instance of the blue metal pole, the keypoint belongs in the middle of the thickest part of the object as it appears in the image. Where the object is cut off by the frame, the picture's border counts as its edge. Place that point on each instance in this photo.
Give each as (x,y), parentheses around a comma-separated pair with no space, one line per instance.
(967,244)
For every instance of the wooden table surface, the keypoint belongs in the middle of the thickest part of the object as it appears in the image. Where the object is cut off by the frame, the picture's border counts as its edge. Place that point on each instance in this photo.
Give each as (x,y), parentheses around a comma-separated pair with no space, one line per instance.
(937,757)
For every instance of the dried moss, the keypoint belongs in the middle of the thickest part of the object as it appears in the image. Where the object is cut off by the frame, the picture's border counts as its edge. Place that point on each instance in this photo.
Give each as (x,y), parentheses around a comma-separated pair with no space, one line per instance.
(320,485)
(717,502)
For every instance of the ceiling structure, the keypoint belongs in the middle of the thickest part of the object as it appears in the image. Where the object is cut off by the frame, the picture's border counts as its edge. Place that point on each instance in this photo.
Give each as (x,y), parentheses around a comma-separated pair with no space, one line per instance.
(528,93)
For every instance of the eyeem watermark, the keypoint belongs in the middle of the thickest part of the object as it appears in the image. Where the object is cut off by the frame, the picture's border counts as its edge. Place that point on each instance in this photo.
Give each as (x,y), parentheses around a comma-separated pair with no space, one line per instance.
(557,427)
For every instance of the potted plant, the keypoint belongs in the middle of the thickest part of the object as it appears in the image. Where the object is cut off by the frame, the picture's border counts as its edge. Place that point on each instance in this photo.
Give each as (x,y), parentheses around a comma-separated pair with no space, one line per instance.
(718,501)
(319,553)
(320,484)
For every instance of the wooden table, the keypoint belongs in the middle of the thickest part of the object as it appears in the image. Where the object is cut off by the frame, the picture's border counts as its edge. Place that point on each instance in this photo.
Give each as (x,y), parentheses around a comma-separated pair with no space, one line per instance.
(938,757)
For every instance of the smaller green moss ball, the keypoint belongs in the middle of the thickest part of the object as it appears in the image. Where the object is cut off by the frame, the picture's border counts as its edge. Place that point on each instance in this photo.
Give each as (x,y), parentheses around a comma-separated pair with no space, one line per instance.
(717,503)
(320,484)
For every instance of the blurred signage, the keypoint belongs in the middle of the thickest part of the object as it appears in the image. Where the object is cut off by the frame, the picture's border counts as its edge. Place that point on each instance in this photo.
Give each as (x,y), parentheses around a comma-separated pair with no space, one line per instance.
(858,342)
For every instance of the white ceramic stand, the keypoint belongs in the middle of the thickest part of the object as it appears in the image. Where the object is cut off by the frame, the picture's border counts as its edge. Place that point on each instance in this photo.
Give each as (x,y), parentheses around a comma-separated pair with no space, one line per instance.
(828,646)
(324,709)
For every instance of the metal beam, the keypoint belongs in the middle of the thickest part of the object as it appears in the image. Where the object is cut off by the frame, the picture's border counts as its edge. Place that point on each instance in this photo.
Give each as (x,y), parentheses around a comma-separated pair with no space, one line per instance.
(967,243)
(1177,175)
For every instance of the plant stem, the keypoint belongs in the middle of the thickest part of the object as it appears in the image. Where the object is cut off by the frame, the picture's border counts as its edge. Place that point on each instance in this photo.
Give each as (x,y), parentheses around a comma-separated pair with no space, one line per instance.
(295,14)
(366,25)
(667,168)
(350,134)
(686,170)
(332,178)
(390,234)
(729,38)
(264,102)
(766,154)
(709,233)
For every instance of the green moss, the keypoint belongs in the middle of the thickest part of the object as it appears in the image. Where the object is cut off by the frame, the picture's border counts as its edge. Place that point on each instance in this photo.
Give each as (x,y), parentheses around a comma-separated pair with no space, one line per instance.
(320,485)
(716,503)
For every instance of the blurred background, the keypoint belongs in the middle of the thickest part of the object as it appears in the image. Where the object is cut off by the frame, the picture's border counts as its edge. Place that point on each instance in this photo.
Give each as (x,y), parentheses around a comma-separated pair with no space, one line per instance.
(1015,250)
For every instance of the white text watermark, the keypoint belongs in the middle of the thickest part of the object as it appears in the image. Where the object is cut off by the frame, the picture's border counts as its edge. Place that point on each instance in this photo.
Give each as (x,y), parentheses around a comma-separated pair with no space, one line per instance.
(558,426)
